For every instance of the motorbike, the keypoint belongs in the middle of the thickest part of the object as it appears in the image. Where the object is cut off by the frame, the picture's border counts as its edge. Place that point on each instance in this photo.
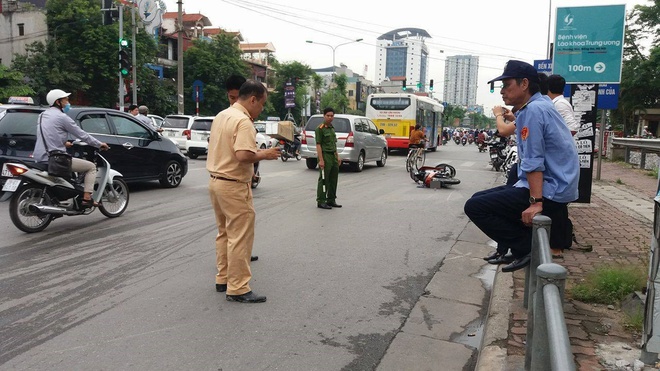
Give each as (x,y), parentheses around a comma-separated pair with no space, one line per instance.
(482,146)
(470,139)
(497,151)
(438,176)
(511,158)
(464,140)
(287,149)
(37,198)
(457,140)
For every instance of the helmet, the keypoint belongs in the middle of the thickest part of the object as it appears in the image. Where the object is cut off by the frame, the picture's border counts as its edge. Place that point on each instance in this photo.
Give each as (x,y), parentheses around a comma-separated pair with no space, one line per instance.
(54,95)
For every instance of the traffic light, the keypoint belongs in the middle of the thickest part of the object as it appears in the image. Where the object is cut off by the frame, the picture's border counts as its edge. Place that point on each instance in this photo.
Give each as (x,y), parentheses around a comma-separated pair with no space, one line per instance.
(492,87)
(431,85)
(124,63)
(419,86)
(404,85)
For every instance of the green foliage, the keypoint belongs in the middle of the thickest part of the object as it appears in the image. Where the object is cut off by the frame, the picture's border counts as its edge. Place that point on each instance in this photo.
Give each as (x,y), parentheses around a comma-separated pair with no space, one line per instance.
(336,96)
(634,321)
(12,84)
(609,284)
(289,72)
(451,113)
(212,62)
(653,173)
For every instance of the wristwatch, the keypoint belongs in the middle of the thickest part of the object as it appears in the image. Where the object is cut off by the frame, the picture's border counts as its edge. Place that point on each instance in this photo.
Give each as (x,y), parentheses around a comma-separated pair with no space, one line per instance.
(533,200)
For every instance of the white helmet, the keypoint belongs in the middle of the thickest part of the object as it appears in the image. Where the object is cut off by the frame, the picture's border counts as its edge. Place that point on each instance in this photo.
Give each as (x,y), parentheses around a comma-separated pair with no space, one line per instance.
(54,95)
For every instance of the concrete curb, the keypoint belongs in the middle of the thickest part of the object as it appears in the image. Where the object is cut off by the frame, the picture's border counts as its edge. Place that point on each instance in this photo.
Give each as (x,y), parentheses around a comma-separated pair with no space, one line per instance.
(493,352)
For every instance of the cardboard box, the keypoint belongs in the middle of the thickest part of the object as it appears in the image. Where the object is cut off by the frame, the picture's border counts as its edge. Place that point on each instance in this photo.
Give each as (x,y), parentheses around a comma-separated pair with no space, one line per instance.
(280,130)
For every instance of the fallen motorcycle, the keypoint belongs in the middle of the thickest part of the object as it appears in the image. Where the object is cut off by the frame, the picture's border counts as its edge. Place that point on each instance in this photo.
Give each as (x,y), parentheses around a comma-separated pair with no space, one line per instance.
(438,176)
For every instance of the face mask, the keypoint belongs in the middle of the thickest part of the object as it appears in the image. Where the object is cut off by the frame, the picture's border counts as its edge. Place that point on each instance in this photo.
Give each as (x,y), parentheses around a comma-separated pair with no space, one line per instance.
(66,108)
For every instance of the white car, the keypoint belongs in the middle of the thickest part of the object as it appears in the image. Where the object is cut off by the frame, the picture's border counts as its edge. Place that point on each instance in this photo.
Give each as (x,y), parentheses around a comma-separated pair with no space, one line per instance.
(177,128)
(264,141)
(198,136)
(156,120)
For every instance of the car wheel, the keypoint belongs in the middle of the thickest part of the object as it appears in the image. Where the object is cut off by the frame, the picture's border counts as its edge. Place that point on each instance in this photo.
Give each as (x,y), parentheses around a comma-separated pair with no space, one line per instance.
(311,163)
(192,155)
(383,159)
(172,176)
(359,165)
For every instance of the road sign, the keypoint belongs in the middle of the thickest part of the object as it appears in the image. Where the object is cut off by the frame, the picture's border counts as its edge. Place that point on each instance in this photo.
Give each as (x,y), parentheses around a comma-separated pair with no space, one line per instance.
(289,95)
(589,43)
(198,88)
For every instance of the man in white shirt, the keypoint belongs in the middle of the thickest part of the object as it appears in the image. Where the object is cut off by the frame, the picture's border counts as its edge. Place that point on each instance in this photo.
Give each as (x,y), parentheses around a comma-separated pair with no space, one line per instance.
(556,84)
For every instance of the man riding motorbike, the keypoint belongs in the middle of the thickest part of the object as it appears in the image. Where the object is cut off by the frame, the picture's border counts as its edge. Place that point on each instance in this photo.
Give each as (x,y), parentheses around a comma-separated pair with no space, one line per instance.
(54,125)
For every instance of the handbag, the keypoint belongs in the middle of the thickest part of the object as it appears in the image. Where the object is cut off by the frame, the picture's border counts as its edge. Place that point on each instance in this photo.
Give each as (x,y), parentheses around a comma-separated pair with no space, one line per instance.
(59,162)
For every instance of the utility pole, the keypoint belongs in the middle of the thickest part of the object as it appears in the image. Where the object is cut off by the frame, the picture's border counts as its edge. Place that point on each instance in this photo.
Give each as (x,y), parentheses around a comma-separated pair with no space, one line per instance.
(120,106)
(179,77)
(134,53)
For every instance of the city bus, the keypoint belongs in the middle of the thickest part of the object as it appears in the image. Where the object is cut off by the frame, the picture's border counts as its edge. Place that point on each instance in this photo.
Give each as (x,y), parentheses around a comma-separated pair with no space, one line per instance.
(398,113)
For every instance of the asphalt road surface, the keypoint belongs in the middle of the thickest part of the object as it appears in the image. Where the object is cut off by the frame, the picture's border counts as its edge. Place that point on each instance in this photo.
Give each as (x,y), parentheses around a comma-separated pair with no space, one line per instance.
(137,292)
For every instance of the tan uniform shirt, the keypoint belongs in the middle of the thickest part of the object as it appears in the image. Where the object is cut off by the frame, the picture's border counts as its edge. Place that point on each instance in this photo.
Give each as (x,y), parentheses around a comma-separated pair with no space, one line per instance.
(232,130)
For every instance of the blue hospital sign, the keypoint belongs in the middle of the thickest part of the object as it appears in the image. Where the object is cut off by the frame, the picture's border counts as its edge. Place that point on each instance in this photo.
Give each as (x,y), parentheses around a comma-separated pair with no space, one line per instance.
(589,43)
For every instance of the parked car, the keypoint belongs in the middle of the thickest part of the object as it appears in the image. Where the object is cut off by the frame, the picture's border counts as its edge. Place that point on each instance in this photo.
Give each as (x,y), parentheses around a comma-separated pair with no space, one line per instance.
(263,140)
(157,120)
(358,141)
(198,139)
(176,127)
(137,151)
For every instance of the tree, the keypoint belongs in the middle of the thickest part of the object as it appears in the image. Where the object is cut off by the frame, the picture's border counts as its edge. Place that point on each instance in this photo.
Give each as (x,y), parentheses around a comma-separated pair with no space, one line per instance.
(12,84)
(336,96)
(212,62)
(317,84)
(81,55)
(451,113)
(297,73)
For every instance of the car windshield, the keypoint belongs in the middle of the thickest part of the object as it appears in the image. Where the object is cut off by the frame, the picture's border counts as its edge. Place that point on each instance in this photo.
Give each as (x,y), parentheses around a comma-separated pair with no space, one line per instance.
(342,125)
(201,125)
(260,127)
(15,123)
(176,122)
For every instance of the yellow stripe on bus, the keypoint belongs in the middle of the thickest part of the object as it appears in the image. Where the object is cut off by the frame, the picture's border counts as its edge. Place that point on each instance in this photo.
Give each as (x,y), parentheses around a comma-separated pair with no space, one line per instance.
(395,128)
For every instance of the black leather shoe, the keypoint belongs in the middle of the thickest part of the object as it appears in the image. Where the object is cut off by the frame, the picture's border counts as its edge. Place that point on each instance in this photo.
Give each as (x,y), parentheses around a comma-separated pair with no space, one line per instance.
(248,297)
(494,255)
(324,206)
(517,264)
(502,259)
(333,204)
(254,258)
(220,287)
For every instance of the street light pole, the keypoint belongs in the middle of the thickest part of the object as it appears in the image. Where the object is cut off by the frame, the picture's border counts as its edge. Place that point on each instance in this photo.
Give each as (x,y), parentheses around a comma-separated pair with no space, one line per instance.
(334,49)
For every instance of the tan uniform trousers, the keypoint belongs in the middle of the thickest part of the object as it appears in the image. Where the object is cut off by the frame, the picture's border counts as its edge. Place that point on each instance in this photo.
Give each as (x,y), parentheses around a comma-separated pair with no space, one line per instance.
(234,215)
(89,168)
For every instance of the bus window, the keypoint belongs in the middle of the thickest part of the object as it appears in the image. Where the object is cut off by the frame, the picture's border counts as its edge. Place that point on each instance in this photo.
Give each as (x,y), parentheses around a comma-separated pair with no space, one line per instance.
(390,103)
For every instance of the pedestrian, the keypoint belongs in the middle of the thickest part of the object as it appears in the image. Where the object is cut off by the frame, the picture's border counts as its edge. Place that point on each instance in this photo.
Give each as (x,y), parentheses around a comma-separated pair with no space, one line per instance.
(326,151)
(556,85)
(233,86)
(133,109)
(143,111)
(547,172)
(231,154)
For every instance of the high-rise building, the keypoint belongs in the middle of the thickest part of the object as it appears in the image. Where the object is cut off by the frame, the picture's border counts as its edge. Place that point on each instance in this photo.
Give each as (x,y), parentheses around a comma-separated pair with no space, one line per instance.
(403,53)
(461,80)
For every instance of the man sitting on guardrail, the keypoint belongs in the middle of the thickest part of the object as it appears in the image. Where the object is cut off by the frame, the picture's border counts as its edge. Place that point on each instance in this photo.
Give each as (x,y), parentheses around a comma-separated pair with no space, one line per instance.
(547,173)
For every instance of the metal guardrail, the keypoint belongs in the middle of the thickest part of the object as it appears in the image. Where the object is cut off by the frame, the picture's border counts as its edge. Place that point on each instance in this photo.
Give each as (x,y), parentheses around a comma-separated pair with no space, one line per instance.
(548,346)
(643,145)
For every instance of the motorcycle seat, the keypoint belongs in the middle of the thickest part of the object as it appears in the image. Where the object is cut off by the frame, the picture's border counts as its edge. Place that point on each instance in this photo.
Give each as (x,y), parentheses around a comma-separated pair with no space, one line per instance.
(43,166)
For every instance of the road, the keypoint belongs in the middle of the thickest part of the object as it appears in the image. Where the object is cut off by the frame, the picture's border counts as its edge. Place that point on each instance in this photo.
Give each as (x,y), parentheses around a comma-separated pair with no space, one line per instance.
(137,292)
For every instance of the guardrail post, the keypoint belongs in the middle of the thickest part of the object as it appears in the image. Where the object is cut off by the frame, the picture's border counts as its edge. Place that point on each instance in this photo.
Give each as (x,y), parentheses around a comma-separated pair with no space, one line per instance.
(626,159)
(642,159)
(539,221)
(541,355)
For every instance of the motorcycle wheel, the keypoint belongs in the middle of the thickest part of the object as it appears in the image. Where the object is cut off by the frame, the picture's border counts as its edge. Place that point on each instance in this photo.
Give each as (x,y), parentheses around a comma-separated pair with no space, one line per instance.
(19,209)
(255,183)
(298,157)
(284,157)
(448,170)
(115,198)
(419,162)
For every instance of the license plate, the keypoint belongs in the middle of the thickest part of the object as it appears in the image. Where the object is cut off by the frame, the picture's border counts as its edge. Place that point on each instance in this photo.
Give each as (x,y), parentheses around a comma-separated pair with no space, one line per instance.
(11,185)
(493,155)
(5,171)
(205,137)
(171,134)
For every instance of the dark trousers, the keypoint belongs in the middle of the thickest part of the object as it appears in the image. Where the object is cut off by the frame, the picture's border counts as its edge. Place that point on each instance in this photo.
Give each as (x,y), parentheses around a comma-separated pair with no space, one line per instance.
(498,211)
(331,174)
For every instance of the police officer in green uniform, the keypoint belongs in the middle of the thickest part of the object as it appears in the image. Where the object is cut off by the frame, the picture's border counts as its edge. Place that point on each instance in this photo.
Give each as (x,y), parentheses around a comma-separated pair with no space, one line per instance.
(326,150)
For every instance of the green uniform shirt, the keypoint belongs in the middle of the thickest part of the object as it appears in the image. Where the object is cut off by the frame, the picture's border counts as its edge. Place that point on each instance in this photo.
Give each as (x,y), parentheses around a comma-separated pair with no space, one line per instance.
(325,136)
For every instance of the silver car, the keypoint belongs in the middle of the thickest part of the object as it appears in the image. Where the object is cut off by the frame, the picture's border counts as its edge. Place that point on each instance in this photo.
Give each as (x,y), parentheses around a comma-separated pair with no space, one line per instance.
(358,141)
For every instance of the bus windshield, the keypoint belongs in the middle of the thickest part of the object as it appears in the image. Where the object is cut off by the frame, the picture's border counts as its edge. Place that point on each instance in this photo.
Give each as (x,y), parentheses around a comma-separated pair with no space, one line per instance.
(390,103)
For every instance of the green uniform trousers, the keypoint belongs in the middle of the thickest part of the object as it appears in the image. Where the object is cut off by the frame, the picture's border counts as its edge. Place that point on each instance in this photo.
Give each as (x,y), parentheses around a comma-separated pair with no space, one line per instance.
(331,171)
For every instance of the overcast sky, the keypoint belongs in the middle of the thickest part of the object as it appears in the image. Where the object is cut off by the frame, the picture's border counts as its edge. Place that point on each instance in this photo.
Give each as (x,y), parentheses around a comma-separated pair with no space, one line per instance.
(496,31)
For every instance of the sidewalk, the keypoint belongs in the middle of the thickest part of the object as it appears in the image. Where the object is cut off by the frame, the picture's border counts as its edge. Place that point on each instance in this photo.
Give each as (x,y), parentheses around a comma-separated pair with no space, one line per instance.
(618,223)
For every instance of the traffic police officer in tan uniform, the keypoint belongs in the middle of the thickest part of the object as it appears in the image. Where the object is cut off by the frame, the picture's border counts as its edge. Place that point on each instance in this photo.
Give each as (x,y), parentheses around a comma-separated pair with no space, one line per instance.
(232,151)
(326,150)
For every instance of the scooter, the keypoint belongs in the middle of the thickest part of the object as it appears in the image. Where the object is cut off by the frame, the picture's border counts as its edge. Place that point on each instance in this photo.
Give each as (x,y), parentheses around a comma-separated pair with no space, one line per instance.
(498,148)
(482,146)
(457,140)
(464,140)
(288,151)
(38,197)
(438,176)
